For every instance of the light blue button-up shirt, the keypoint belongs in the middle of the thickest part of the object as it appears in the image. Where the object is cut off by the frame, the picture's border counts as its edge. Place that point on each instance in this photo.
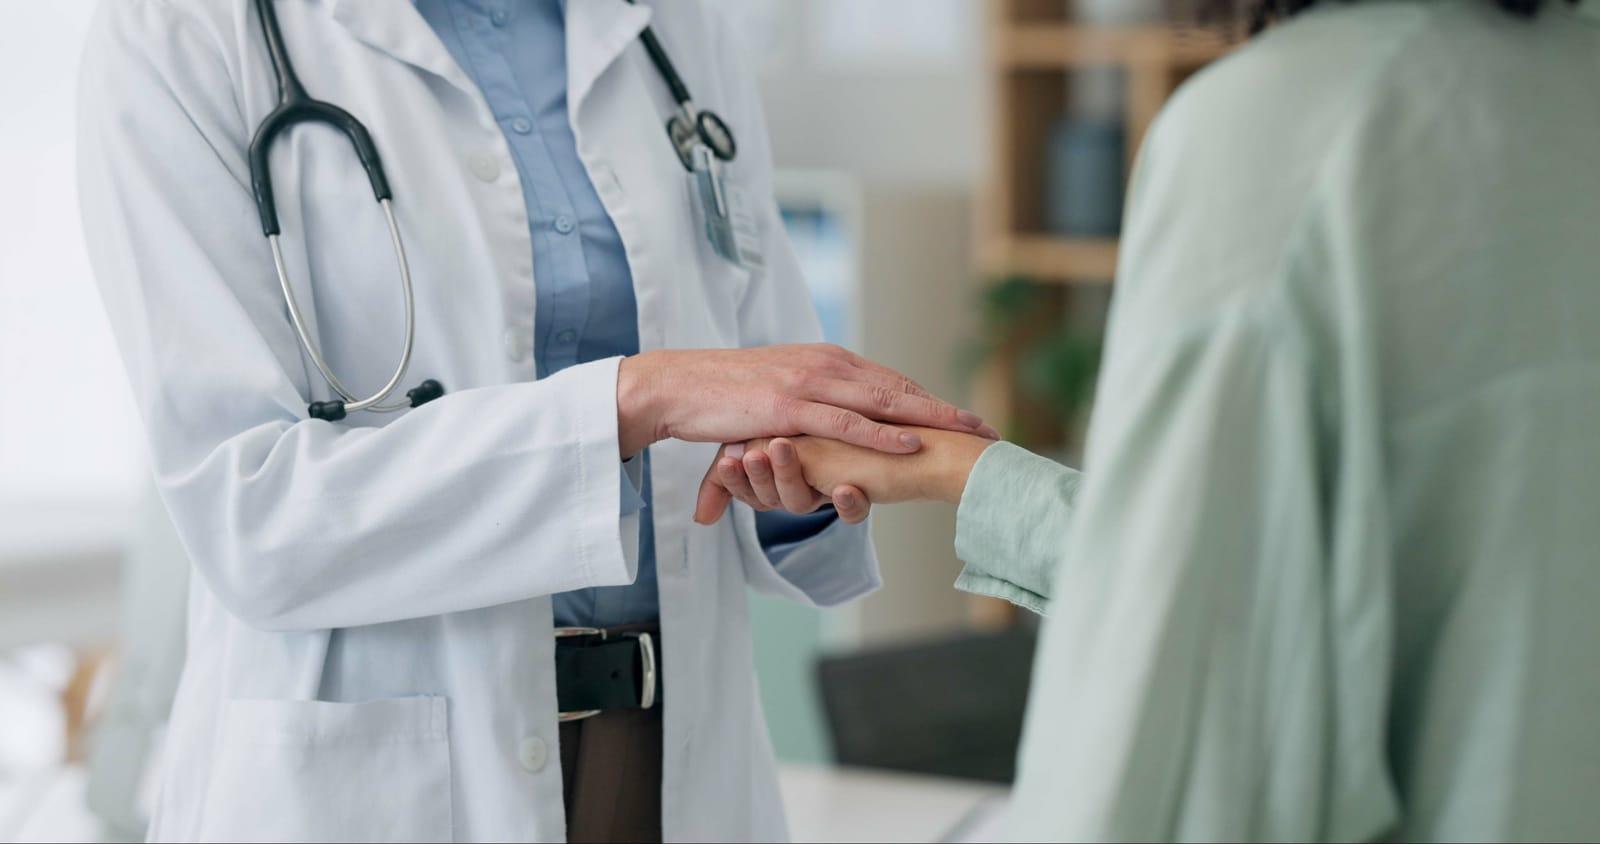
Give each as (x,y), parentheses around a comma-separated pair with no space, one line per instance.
(515,51)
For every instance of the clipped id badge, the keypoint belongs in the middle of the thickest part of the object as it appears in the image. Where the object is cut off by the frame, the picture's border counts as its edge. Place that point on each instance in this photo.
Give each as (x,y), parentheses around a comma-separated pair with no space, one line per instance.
(731,225)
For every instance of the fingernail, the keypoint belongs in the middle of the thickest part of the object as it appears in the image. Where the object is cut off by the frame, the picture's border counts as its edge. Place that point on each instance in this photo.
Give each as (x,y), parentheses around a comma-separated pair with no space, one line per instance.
(734,450)
(968,418)
(910,440)
(849,500)
(781,453)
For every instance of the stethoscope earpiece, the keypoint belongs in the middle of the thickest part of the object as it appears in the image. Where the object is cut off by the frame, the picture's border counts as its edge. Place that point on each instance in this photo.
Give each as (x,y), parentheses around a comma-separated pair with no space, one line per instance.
(327,411)
(425,392)
(333,411)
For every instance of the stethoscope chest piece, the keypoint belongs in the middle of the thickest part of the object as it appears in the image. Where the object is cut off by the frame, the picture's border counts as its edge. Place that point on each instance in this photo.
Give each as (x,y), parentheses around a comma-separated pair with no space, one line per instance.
(690,128)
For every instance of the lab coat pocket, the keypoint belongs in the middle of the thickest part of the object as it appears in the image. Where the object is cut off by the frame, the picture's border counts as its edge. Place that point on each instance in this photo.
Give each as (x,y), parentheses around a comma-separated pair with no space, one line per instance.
(319,771)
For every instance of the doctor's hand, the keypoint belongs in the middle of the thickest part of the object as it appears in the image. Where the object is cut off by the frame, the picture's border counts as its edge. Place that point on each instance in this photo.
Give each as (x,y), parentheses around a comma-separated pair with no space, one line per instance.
(731,395)
(849,475)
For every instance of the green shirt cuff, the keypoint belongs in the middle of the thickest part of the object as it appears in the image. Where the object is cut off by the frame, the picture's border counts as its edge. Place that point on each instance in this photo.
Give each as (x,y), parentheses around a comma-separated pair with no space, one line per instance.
(1011,525)
(979,583)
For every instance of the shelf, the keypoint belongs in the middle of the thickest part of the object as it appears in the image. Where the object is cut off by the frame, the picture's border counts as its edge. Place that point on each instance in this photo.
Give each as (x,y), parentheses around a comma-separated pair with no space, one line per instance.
(1066,45)
(1050,258)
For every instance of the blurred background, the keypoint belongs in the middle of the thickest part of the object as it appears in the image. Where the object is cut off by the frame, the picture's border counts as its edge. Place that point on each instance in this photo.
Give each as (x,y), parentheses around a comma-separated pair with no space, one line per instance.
(952,173)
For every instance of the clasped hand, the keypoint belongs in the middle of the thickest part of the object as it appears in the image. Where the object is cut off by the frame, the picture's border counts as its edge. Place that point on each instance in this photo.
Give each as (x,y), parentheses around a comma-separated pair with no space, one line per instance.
(800,474)
(845,412)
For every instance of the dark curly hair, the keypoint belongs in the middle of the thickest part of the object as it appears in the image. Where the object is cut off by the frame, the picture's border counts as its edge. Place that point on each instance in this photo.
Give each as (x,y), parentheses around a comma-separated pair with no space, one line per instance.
(1259,14)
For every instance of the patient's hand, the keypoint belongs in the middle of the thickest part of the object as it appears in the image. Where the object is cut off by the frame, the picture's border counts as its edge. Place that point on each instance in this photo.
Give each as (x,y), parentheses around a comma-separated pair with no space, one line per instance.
(832,469)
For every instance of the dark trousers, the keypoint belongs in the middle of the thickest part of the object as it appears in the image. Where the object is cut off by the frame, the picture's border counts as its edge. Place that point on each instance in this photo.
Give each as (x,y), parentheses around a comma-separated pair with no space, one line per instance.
(611,767)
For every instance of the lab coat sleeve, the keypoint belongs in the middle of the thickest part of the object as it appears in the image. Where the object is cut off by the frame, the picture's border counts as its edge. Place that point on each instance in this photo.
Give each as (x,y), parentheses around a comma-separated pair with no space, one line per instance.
(1214,665)
(839,563)
(483,497)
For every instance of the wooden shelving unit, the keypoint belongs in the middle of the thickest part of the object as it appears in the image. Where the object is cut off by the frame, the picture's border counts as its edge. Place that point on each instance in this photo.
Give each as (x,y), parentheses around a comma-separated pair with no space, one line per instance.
(1034,48)
(1050,258)
(1069,45)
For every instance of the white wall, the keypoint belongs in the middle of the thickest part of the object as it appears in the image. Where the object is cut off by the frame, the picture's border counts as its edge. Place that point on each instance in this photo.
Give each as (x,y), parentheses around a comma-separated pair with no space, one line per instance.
(67,428)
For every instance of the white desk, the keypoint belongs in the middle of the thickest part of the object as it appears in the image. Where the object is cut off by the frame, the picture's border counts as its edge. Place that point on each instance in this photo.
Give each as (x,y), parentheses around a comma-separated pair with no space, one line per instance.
(843,804)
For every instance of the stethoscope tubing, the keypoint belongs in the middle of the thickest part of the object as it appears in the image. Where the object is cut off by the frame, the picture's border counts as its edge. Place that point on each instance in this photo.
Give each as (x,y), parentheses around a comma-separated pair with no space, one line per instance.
(351,403)
(295,106)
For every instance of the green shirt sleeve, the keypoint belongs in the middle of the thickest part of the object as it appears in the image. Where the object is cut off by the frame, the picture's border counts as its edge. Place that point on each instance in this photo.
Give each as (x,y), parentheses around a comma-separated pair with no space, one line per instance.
(1012,525)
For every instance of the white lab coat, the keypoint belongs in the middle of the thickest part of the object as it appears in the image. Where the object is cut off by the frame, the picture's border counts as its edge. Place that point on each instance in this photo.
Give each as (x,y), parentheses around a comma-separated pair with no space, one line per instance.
(370,627)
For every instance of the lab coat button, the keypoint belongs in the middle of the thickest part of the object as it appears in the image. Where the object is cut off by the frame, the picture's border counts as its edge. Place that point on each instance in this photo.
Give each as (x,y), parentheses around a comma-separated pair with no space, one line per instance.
(484,167)
(533,753)
(515,349)
(522,125)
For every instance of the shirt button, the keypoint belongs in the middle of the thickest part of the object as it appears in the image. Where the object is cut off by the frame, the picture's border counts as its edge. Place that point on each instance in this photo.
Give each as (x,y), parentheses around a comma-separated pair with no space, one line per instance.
(499,17)
(533,753)
(564,224)
(484,166)
(515,350)
(522,126)
(567,336)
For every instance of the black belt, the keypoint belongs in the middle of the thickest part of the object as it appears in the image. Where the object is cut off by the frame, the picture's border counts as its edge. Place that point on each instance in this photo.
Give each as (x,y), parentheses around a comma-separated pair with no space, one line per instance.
(599,670)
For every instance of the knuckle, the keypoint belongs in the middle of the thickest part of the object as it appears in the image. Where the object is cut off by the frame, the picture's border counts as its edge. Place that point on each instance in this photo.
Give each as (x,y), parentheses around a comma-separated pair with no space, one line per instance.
(846,421)
(808,383)
(834,370)
(884,398)
(794,379)
(939,410)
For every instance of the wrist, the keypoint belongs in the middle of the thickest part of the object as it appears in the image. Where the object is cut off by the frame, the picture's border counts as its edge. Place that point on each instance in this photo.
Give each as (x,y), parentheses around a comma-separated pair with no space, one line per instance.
(638,414)
(951,460)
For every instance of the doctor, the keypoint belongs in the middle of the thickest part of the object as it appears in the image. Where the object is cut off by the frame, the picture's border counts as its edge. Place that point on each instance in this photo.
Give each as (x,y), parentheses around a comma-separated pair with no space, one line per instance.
(373,642)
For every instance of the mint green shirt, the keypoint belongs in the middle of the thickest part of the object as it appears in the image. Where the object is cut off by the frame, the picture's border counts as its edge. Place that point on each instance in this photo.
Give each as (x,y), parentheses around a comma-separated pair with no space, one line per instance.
(1333,572)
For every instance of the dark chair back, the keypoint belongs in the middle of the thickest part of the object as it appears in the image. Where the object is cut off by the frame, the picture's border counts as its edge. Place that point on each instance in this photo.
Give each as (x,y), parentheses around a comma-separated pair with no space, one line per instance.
(951,707)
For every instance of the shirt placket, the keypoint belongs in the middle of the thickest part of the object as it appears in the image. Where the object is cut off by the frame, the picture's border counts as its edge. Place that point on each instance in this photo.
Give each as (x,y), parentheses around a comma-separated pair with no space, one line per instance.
(561,296)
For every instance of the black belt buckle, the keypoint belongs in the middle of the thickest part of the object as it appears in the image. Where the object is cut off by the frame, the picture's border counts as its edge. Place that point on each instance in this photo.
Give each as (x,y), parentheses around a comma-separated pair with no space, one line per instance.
(647,665)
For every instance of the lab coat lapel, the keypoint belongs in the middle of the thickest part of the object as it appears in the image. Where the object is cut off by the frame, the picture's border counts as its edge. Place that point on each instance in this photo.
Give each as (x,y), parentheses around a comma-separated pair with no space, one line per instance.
(397,29)
(597,33)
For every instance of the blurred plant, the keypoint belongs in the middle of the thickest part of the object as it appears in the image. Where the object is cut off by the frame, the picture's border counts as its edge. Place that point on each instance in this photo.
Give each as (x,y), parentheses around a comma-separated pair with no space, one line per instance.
(1055,363)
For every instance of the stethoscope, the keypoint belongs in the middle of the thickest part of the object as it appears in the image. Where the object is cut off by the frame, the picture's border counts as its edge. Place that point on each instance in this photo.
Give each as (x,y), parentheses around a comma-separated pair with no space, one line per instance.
(690,131)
